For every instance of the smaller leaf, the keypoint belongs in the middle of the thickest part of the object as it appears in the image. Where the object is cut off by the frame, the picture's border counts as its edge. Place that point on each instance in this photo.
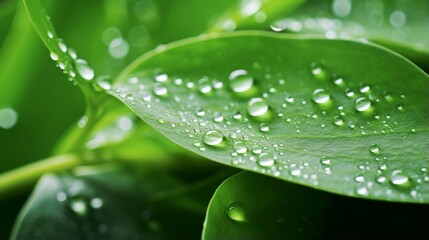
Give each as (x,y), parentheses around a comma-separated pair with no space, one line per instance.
(252,206)
(108,202)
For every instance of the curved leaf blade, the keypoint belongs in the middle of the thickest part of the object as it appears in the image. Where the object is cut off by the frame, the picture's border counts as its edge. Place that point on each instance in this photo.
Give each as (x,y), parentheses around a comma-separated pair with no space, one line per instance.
(108,202)
(370,144)
(66,58)
(272,209)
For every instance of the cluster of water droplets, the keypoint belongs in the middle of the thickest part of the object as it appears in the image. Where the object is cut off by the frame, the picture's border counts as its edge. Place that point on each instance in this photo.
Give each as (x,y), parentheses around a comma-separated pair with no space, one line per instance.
(241,112)
(68,61)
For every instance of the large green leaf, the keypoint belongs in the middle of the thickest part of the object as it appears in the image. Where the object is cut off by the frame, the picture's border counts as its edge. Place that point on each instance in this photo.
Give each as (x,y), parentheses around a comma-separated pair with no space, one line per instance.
(109,202)
(402,25)
(251,206)
(341,116)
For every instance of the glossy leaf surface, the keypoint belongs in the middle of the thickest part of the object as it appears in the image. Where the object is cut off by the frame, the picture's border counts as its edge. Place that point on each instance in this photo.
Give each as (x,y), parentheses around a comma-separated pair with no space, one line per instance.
(341,116)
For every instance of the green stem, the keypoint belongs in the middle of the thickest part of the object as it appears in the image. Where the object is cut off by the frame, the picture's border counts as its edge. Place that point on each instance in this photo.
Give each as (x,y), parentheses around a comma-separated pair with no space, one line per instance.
(20,177)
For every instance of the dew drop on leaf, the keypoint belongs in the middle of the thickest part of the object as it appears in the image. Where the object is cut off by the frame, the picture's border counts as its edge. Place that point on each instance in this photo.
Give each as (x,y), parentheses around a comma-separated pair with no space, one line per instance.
(50,35)
(374,149)
(338,121)
(240,147)
(362,104)
(264,127)
(160,90)
(54,56)
(8,118)
(96,203)
(235,212)
(362,191)
(398,178)
(265,160)
(78,206)
(320,96)
(213,138)
(84,70)
(318,71)
(325,160)
(257,107)
(240,81)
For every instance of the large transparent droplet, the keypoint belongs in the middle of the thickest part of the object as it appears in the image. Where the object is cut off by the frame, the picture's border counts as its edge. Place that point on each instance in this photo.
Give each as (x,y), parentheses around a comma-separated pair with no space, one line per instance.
(84,70)
(320,96)
(265,160)
(257,107)
(240,147)
(240,81)
(399,178)
(213,138)
(362,104)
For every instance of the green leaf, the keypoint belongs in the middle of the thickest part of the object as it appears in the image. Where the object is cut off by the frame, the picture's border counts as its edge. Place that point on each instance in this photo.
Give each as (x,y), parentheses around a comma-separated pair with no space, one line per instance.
(66,58)
(340,116)
(396,24)
(251,206)
(110,202)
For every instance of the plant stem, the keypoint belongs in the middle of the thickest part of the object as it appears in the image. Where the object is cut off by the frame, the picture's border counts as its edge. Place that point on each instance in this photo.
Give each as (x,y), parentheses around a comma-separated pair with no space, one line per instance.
(25,175)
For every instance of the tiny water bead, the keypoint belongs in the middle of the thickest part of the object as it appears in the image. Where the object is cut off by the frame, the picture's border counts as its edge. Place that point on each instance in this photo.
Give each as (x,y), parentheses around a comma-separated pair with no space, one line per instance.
(362,104)
(264,127)
(257,107)
(318,71)
(235,212)
(78,205)
(240,147)
(337,80)
(240,81)
(160,89)
(320,96)
(362,191)
(338,121)
(54,56)
(374,149)
(265,160)
(364,88)
(50,34)
(213,138)
(324,160)
(84,70)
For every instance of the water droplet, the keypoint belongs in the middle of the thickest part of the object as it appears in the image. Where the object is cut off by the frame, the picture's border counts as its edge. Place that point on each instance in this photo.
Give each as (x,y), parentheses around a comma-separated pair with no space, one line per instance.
(388,96)
(264,127)
(349,93)
(295,171)
(61,197)
(359,178)
(265,160)
(200,112)
(320,96)
(240,81)
(400,107)
(256,150)
(374,149)
(160,89)
(50,35)
(398,178)
(54,56)
(240,147)
(161,77)
(237,115)
(84,70)
(289,99)
(62,46)
(217,117)
(213,138)
(257,107)
(363,191)
(72,53)
(204,86)
(8,118)
(362,104)
(338,121)
(337,80)
(318,71)
(325,160)
(235,212)
(364,88)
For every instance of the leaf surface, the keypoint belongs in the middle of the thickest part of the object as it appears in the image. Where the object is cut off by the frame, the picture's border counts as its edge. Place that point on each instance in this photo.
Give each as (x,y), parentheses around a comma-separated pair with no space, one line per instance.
(109,202)
(252,206)
(341,116)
